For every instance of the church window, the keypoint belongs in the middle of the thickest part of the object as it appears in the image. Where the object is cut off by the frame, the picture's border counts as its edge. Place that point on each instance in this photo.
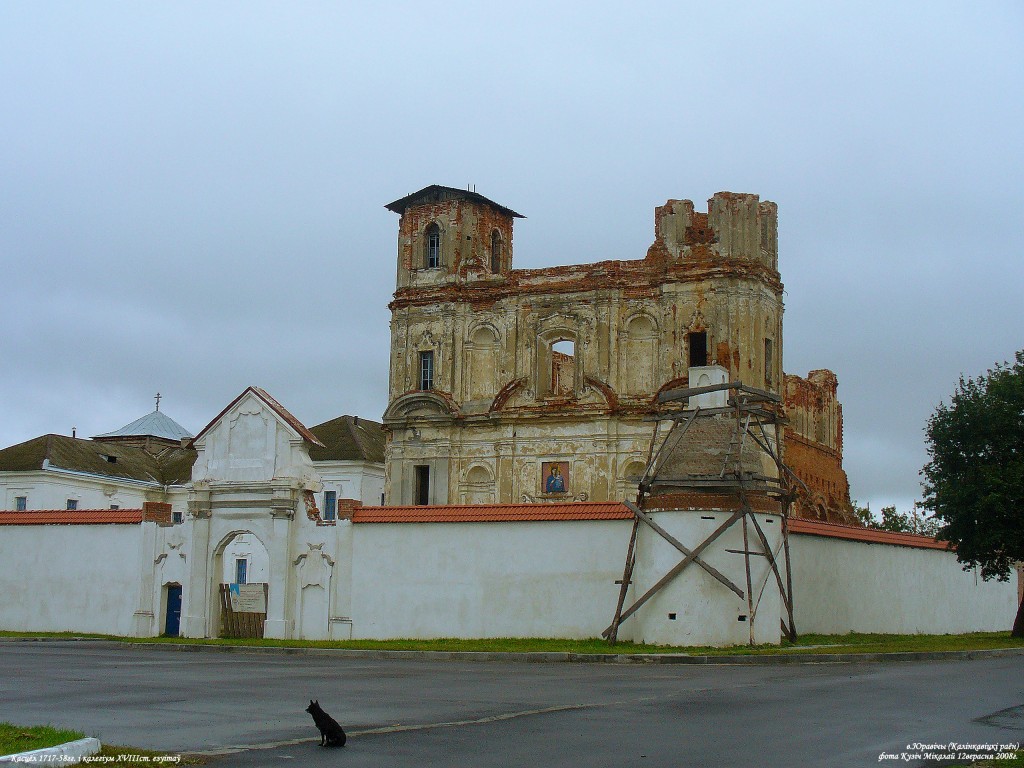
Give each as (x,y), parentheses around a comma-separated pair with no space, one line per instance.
(21,503)
(177,517)
(432,258)
(563,367)
(115,506)
(72,504)
(427,370)
(421,490)
(241,570)
(330,505)
(768,363)
(698,344)
(495,252)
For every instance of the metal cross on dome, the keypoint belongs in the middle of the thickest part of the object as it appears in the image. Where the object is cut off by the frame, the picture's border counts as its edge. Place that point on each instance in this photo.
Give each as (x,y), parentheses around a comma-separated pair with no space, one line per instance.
(158,401)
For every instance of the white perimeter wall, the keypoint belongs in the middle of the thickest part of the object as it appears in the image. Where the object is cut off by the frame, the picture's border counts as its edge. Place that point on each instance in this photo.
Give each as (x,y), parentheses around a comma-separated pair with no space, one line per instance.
(845,586)
(522,579)
(79,578)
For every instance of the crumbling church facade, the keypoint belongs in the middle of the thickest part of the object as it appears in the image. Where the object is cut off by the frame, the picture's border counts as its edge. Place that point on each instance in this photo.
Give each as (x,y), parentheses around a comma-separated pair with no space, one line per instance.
(512,385)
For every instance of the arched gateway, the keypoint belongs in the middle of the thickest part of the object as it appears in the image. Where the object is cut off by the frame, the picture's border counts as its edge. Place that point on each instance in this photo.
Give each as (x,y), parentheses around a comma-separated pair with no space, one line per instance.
(254,522)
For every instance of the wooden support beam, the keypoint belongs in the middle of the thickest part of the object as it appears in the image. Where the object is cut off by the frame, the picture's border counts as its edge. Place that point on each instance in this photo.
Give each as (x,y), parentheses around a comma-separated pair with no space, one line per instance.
(675,435)
(640,515)
(679,568)
(627,576)
(684,392)
(775,566)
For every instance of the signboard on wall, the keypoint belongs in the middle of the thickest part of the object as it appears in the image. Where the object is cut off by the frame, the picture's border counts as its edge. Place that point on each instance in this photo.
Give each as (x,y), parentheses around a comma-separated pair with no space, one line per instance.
(248,598)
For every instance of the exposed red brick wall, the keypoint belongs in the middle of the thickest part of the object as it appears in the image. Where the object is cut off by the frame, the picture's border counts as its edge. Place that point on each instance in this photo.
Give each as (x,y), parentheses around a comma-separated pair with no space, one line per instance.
(157,512)
(347,507)
(814,447)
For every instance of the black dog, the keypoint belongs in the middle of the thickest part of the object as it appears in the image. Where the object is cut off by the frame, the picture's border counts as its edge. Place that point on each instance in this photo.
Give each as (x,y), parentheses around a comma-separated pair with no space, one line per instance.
(331,734)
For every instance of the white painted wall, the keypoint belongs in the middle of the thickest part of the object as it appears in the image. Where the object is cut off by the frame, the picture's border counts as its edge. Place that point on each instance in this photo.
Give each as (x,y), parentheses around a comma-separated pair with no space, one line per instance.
(844,586)
(246,546)
(706,611)
(359,480)
(70,578)
(51,489)
(524,579)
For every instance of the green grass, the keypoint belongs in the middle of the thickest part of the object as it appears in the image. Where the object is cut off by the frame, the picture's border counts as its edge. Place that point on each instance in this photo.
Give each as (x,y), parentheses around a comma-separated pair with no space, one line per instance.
(813,644)
(23,738)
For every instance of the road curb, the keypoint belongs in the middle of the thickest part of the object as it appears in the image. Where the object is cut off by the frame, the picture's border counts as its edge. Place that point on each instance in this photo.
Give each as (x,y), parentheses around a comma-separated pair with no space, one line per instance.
(63,754)
(549,657)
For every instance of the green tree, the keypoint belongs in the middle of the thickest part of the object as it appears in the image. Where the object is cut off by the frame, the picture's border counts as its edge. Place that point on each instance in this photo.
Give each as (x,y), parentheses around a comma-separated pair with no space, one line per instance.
(974,482)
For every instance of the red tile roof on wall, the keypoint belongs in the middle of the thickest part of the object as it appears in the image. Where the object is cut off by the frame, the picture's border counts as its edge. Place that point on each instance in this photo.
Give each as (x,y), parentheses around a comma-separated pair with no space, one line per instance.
(72,517)
(494,513)
(867,535)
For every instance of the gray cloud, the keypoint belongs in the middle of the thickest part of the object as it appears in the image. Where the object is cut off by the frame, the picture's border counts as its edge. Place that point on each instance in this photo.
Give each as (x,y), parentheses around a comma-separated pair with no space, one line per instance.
(191,196)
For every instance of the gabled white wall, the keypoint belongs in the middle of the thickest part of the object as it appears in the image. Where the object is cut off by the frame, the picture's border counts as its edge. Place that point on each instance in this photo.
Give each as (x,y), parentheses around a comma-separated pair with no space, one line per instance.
(251,443)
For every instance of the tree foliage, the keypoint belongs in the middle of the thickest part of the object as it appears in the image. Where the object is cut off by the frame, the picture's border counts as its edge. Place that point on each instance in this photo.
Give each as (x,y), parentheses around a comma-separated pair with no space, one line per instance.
(974,482)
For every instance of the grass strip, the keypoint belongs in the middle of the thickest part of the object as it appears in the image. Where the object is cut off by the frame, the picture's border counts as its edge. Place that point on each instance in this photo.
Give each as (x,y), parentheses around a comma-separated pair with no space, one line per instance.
(810,644)
(25,738)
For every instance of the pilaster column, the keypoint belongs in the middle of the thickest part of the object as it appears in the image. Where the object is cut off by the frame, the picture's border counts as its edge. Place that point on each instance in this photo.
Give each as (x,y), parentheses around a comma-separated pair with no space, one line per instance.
(282,510)
(195,608)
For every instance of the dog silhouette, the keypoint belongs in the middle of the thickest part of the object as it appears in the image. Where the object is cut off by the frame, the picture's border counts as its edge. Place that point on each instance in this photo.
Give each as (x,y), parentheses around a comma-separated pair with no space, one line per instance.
(331,733)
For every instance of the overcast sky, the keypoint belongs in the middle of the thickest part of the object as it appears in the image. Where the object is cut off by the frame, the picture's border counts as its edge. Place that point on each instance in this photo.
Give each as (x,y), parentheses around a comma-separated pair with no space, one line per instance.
(192,194)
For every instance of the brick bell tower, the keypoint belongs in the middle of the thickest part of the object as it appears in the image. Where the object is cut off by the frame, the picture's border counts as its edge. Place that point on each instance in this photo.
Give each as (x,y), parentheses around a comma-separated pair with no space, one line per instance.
(451,235)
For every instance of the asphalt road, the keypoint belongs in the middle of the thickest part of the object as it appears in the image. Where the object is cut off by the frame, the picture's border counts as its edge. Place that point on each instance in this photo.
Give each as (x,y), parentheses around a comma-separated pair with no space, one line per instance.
(421,713)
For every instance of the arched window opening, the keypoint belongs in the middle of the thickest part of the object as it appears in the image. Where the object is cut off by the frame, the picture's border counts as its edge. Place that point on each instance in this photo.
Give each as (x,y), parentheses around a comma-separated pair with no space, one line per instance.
(432,258)
(563,367)
(495,251)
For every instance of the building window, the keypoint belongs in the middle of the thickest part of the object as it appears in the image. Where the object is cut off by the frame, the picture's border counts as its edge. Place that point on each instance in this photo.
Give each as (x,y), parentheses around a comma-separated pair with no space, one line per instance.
(768,363)
(330,505)
(495,252)
(698,344)
(563,367)
(421,490)
(72,504)
(427,370)
(241,569)
(21,503)
(432,258)
(115,506)
(176,517)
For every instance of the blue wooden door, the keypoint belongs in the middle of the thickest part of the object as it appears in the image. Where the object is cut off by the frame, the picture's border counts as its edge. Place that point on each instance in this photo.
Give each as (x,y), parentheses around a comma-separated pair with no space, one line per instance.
(173,622)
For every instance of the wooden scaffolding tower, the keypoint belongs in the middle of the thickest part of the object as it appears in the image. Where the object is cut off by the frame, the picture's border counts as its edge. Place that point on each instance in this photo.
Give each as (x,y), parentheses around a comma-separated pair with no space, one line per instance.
(754,417)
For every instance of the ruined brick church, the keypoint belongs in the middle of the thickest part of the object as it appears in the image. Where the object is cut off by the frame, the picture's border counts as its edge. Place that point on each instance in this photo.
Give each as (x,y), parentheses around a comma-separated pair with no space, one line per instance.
(513,385)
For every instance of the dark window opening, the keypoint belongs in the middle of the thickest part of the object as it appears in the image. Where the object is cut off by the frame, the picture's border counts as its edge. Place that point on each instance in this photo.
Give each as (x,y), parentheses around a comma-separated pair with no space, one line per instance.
(241,570)
(112,459)
(115,506)
(422,489)
(769,363)
(426,370)
(698,343)
(330,505)
(433,254)
(177,517)
(21,503)
(72,504)
(495,252)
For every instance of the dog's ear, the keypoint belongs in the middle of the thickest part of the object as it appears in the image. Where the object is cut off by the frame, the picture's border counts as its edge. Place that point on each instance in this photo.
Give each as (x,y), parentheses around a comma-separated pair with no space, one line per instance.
(311,702)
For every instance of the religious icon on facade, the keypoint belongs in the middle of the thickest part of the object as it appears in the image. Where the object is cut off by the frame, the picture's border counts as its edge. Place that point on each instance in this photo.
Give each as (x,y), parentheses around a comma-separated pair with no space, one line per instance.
(555,476)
